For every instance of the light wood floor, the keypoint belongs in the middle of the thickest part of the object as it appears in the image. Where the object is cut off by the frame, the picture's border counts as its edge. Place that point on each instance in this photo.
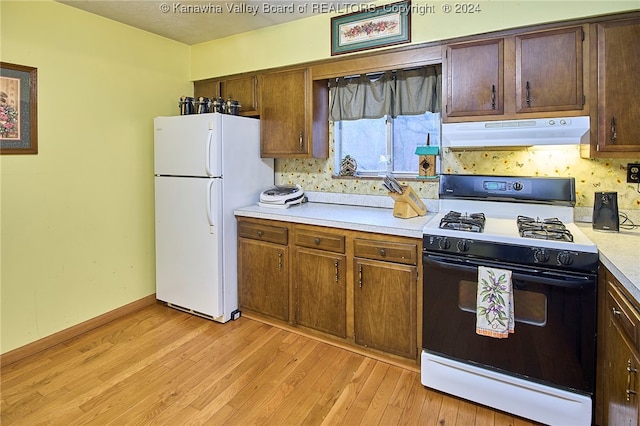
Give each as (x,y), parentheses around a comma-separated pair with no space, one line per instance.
(161,366)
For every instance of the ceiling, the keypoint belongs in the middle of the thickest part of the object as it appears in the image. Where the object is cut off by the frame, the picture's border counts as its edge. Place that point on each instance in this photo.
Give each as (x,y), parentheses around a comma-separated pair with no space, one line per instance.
(192,22)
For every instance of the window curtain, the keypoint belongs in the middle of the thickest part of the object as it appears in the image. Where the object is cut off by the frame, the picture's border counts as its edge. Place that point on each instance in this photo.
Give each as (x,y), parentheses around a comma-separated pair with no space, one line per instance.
(405,92)
(353,98)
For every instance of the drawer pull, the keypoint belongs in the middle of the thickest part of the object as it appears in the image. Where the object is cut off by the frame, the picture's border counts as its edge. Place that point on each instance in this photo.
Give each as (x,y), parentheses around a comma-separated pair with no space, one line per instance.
(260,234)
(614,311)
(383,253)
(316,241)
(630,370)
(360,276)
(279,261)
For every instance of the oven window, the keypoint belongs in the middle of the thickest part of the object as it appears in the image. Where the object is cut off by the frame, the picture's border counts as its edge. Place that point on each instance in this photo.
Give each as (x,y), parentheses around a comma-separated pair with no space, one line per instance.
(529,307)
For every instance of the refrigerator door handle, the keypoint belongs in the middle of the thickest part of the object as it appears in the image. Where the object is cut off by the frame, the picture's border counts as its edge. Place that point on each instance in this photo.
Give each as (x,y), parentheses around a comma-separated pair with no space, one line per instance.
(208,153)
(209,212)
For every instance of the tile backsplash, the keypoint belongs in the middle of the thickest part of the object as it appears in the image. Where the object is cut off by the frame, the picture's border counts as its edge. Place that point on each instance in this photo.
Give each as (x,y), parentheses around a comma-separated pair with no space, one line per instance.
(591,175)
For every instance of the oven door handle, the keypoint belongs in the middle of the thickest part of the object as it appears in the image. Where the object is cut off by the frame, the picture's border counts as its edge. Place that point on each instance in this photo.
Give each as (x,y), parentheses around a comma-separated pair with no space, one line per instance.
(533,275)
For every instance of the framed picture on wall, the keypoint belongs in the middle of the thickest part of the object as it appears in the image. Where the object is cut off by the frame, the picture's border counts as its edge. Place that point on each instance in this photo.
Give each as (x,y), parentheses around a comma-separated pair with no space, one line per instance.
(18,109)
(371,28)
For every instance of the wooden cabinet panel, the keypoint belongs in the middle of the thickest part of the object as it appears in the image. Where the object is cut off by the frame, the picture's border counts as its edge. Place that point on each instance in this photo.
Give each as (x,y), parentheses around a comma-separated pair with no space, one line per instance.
(618,61)
(258,231)
(282,114)
(263,278)
(384,306)
(293,115)
(320,291)
(474,73)
(538,74)
(243,90)
(314,238)
(386,250)
(618,401)
(549,70)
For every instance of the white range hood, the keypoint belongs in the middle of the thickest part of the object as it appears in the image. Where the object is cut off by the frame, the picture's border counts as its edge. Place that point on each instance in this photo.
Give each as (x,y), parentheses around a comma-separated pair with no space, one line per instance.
(541,131)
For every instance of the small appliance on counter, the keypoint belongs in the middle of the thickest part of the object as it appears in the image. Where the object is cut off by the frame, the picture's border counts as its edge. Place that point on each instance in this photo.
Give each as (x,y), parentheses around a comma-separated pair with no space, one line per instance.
(282,196)
(605,212)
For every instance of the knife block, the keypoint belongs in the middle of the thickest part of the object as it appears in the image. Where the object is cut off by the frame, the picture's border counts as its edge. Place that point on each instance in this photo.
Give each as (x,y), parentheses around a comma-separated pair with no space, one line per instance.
(407,204)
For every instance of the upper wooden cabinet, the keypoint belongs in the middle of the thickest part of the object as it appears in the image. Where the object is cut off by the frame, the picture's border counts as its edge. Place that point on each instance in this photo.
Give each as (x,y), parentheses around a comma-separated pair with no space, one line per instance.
(244,90)
(549,68)
(474,78)
(531,74)
(616,127)
(293,115)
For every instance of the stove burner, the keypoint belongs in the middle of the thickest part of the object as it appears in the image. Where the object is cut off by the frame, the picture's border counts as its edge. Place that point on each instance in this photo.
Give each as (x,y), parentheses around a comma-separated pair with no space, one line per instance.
(463,222)
(546,229)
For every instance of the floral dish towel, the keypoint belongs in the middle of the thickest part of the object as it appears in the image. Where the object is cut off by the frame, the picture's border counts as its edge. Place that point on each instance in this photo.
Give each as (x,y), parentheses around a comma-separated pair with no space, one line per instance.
(494,306)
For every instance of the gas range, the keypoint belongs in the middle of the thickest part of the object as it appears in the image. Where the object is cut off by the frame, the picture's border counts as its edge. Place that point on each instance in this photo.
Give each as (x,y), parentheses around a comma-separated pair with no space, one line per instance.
(520,220)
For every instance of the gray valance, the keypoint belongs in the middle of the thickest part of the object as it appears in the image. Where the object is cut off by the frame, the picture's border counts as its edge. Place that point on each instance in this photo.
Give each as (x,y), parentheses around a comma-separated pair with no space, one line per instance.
(404,92)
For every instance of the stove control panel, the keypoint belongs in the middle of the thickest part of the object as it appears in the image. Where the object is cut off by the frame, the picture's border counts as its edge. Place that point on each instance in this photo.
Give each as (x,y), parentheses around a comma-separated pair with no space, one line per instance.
(510,253)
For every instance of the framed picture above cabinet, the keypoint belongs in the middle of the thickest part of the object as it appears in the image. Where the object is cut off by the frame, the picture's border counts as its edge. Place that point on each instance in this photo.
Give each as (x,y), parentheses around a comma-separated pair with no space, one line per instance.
(371,27)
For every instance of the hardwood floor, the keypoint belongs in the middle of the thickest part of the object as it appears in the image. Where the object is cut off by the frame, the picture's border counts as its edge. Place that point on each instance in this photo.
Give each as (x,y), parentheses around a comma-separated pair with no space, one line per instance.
(161,366)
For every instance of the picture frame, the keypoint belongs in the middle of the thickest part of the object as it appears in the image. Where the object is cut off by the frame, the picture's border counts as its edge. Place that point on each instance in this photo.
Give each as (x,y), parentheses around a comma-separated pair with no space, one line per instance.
(381,26)
(18,109)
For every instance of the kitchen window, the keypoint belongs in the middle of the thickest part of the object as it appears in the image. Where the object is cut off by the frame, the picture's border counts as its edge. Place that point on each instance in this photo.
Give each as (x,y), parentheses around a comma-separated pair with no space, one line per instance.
(379,119)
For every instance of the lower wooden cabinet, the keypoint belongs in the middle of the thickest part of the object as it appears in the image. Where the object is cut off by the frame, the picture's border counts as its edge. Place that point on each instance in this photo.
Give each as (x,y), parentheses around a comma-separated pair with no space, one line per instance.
(358,288)
(320,287)
(263,269)
(619,373)
(384,306)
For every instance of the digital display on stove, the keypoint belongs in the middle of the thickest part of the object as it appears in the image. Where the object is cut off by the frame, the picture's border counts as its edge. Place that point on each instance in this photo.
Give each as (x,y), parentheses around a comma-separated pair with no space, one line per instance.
(489,185)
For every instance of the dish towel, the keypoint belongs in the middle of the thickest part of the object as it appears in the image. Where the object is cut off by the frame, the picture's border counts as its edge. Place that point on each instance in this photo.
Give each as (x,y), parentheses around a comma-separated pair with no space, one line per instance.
(494,305)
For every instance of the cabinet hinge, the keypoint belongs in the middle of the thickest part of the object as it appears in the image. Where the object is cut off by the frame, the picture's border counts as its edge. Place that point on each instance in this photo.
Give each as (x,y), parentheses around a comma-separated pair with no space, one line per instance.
(582,35)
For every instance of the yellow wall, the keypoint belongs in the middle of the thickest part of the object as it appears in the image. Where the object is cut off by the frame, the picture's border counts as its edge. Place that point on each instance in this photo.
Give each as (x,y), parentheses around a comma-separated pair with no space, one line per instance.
(310,39)
(77,219)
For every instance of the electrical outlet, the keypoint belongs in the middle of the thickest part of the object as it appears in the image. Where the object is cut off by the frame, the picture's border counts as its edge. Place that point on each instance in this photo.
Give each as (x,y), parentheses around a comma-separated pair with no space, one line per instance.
(633,173)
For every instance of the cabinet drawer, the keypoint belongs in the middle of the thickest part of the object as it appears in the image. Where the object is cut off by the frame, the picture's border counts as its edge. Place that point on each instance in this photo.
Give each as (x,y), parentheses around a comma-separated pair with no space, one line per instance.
(258,231)
(623,312)
(406,253)
(320,240)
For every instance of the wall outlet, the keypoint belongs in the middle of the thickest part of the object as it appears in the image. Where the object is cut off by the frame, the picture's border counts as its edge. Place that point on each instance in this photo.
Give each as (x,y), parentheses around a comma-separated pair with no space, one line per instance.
(633,173)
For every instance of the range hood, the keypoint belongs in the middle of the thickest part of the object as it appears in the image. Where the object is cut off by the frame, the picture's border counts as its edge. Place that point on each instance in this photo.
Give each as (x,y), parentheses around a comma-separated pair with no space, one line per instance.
(541,131)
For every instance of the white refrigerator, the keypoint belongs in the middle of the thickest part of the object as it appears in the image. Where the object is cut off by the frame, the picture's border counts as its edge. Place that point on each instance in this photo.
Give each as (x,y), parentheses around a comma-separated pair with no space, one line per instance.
(205,166)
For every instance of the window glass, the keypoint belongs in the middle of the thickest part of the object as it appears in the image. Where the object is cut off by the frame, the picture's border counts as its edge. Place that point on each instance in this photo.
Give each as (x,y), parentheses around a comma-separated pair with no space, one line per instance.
(385,145)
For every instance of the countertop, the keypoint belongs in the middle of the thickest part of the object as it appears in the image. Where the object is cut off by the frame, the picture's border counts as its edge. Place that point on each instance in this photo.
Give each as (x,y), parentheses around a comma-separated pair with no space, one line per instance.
(620,253)
(357,218)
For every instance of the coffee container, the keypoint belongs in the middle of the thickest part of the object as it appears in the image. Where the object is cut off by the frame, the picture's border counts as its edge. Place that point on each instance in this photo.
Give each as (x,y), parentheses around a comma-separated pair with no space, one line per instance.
(605,212)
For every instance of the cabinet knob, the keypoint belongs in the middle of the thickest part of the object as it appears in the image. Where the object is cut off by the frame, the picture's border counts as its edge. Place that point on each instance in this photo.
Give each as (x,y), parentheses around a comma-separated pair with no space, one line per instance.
(614,311)
(383,253)
(260,233)
(316,241)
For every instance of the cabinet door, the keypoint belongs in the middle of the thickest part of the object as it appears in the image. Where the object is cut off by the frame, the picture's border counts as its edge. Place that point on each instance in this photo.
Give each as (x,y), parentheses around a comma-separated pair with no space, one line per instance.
(618,88)
(320,291)
(475,78)
(242,90)
(384,306)
(282,114)
(621,399)
(549,71)
(263,278)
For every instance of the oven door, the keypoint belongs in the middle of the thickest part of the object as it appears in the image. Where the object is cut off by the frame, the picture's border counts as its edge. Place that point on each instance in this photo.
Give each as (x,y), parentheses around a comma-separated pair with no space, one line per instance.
(555,331)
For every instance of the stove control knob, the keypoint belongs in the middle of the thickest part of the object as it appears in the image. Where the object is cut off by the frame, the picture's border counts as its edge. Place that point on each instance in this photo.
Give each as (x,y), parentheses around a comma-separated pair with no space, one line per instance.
(540,256)
(564,258)
(517,186)
(462,245)
(444,244)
